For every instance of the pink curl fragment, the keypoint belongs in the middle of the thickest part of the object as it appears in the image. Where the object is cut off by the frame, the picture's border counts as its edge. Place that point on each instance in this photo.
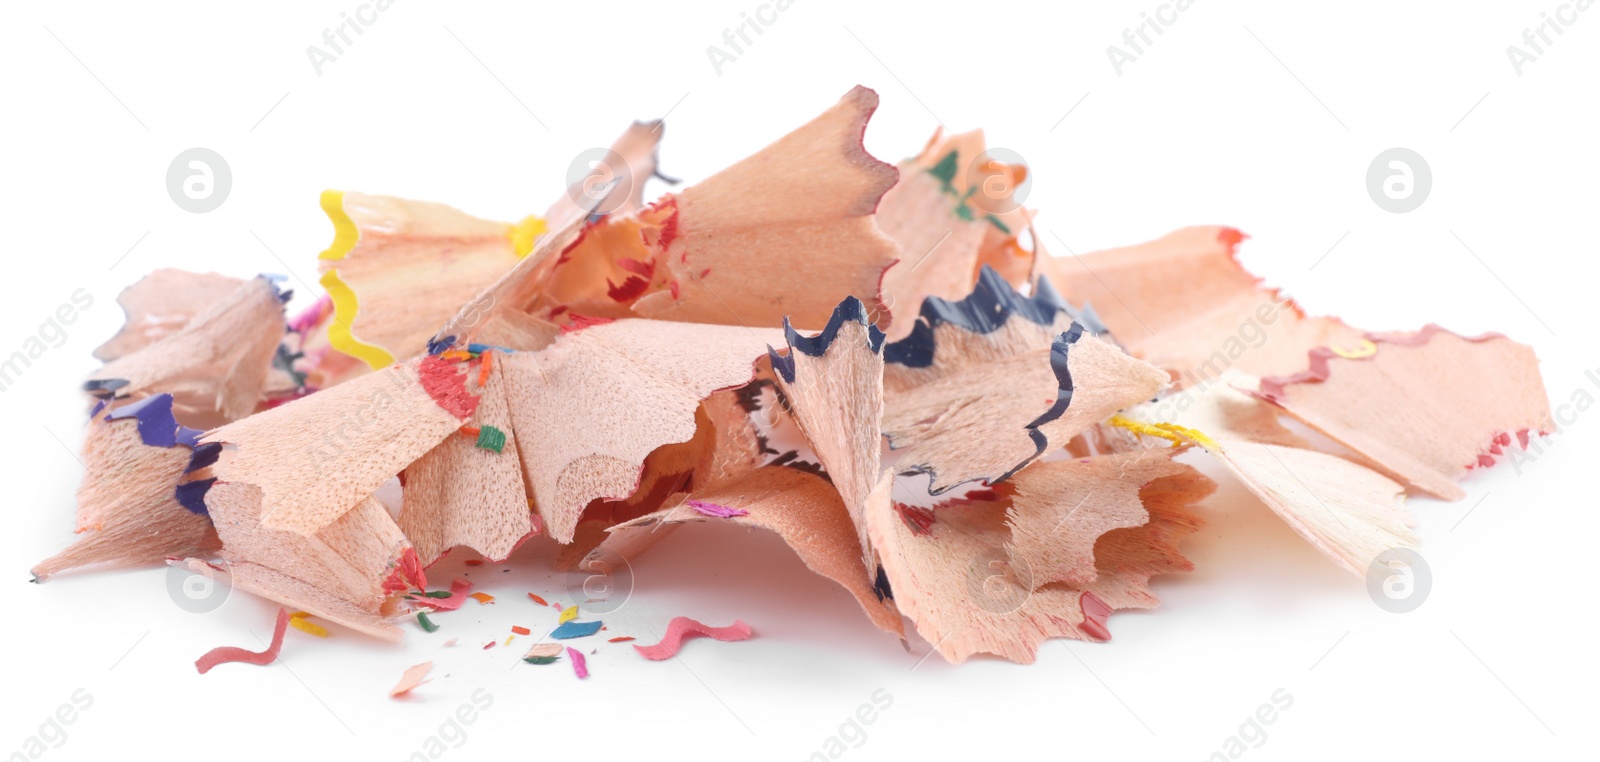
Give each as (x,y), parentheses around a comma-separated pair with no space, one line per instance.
(1095,612)
(458,596)
(580,665)
(311,316)
(682,627)
(226,654)
(715,511)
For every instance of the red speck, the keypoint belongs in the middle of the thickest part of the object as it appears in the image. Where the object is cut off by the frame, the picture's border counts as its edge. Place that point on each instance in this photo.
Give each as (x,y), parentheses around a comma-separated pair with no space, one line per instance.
(631,289)
(669,229)
(447,386)
(521,630)
(473,562)
(637,267)
(407,573)
(566,254)
(1230,236)
(538,600)
(918,519)
(489,645)
(1095,612)
(674,287)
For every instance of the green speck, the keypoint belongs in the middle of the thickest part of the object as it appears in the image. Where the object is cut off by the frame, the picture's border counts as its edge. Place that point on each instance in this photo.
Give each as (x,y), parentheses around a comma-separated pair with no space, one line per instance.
(540,659)
(995,221)
(491,438)
(945,170)
(437,594)
(427,624)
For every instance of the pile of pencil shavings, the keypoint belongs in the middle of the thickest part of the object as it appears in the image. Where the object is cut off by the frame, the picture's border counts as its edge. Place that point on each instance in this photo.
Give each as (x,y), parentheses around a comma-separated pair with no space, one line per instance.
(612,368)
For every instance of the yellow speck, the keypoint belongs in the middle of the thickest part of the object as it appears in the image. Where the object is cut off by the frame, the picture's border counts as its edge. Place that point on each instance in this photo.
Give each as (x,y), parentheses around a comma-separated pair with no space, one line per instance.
(1365,349)
(1168,431)
(525,233)
(299,622)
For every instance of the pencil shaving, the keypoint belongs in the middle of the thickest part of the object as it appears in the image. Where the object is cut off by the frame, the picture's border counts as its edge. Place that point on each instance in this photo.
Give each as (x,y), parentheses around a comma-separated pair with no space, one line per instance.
(880,365)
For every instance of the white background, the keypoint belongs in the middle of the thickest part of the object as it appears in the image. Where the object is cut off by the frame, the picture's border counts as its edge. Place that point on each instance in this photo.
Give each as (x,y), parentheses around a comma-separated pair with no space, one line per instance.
(1255,114)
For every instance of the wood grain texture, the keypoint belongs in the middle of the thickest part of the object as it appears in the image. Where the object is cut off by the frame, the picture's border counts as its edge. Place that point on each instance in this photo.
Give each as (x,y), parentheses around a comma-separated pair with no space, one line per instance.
(1183,303)
(162,303)
(216,365)
(1060,509)
(803,509)
(317,457)
(414,265)
(836,398)
(966,417)
(967,595)
(788,231)
(462,494)
(1423,408)
(336,573)
(591,407)
(127,513)
(1349,512)
(939,248)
